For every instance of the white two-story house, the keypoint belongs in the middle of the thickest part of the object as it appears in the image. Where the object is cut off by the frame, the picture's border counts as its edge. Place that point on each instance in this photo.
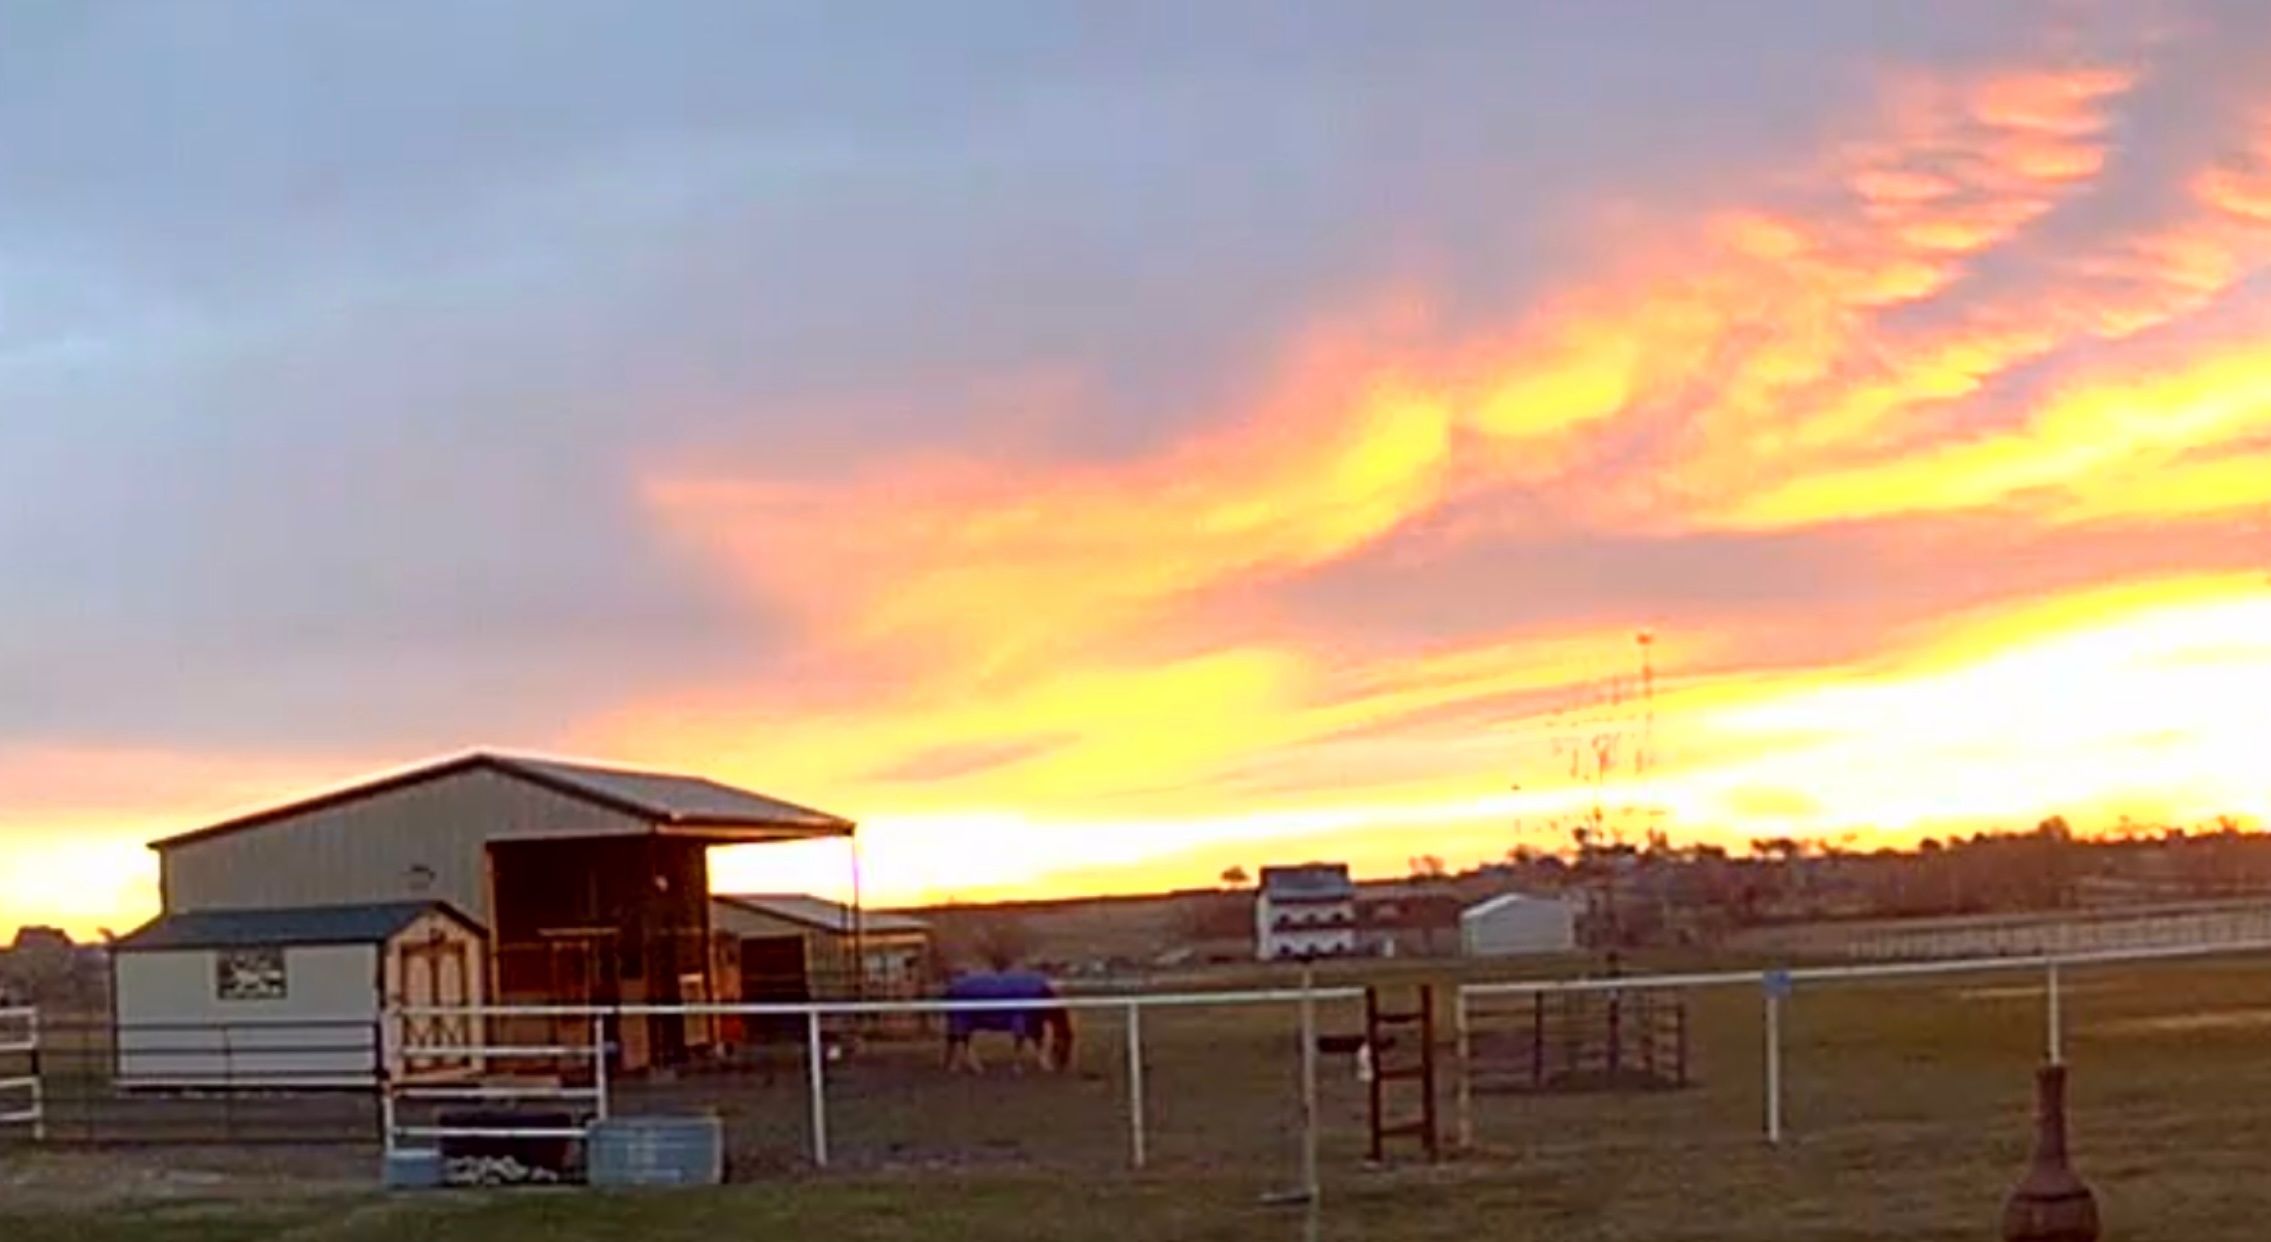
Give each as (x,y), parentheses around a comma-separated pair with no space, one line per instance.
(1305,911)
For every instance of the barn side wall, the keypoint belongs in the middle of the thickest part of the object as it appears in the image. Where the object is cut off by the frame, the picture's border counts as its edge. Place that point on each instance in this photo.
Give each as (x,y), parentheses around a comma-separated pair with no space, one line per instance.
(173,1029)
(370,850)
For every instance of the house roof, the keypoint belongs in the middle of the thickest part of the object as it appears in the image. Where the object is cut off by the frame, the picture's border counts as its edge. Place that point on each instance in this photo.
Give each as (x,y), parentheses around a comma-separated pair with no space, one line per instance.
(374,923)
(668,802)
(1308,881)
(820,913)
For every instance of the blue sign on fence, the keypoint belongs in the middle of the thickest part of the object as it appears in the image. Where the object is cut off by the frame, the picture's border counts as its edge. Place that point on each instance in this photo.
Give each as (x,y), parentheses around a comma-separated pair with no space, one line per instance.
(1777,983)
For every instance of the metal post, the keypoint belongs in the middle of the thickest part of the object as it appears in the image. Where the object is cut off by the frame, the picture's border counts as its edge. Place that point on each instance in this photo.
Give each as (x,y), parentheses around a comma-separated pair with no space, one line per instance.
(1137,1154)
(383,1037)
(599,1051)
(2057,1008)
(1774,1068)
(816,1060)
(228,1085)
(39,1083)
(1466,1098)
(1309,1118)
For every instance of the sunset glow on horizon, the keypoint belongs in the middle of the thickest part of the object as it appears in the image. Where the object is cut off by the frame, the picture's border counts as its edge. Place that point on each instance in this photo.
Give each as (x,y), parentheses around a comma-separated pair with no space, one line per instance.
(1930,440)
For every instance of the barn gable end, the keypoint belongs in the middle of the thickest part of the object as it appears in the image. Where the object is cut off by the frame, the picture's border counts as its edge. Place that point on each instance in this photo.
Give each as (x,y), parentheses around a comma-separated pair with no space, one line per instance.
(414,841)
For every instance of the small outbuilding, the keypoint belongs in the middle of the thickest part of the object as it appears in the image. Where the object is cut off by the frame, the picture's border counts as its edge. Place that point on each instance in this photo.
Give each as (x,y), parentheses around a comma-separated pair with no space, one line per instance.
(1518,925)
(289,997)
(792,948)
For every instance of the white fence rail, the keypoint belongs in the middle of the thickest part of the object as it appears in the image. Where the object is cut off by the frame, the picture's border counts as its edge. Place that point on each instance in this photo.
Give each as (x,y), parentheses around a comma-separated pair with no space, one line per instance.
(1132,1007)
(23,1100)
(1777,986)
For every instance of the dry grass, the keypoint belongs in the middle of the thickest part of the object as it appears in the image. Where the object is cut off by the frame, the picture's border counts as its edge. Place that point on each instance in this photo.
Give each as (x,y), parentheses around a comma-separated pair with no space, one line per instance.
(1907,1105)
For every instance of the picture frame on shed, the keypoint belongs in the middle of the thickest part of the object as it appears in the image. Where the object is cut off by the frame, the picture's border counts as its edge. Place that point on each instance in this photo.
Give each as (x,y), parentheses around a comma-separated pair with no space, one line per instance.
(256,974)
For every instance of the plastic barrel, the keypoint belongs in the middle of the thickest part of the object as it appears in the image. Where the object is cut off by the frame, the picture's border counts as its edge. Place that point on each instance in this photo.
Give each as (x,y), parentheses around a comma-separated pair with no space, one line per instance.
(656,1151)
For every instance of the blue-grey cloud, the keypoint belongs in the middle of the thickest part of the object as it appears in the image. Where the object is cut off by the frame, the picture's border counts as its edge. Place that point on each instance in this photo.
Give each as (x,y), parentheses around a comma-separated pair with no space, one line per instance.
(331,334)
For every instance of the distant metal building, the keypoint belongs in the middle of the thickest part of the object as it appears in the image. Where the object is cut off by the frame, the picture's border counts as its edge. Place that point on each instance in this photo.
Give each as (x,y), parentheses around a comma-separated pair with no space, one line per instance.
(1305,911)
(1518,924)
(269,999)
(589,883)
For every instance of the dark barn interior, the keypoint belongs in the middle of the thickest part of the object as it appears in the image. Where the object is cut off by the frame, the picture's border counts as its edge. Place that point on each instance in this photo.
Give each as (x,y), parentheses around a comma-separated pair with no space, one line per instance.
(608,921)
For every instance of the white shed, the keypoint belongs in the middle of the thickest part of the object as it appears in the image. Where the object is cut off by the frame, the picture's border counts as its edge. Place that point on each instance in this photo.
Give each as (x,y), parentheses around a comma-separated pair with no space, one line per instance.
(289,998)
(1518,924)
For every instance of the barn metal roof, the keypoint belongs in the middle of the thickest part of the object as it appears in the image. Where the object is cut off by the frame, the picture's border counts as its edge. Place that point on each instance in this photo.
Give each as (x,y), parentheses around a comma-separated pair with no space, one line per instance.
(375,923)
(819,912)
(664,796)
(689,805)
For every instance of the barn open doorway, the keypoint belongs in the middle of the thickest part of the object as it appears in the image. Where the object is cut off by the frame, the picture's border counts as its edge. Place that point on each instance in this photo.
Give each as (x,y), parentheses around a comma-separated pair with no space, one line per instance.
(774,972)
(607,921)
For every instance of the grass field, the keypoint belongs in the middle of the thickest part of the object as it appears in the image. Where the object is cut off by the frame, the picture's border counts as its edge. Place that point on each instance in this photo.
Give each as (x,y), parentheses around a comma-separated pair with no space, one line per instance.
(1907,1108)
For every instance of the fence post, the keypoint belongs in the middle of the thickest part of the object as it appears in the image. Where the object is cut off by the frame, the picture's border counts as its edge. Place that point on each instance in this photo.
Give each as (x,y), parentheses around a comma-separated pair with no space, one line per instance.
(39,1083)
(1309,1119)
(599,1052)
(1466,1096)
(817,1064)
(228,1085)
(1777,985)
(383,1045)
(2056,1004)
(1137,1153)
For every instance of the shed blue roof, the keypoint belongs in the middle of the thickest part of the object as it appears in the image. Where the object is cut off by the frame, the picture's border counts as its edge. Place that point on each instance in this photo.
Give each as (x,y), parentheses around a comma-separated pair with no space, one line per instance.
(375,923)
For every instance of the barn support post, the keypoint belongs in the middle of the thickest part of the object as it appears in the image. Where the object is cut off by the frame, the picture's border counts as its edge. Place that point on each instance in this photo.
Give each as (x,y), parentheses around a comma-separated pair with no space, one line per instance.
(2055,1003)
(816,1062)
(1138,1153)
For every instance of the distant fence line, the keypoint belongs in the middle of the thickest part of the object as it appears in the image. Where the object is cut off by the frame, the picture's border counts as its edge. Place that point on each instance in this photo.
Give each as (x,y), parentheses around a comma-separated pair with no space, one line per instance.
(2108,931)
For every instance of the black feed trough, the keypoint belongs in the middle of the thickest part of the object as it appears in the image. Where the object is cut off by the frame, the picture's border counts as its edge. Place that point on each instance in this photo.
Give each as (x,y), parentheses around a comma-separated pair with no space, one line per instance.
(527,1157)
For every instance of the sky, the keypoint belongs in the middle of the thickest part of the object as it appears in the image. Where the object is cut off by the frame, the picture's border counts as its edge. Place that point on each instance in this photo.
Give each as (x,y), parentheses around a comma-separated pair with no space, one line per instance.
(1094,445)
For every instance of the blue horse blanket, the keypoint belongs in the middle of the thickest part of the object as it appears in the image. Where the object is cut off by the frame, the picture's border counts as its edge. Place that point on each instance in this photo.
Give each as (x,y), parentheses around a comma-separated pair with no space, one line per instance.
(1008,985)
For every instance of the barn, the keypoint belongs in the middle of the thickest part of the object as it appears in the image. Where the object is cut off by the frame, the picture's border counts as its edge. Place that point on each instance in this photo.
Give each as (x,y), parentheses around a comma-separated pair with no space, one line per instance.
(285,997)
(588,884)
(1518,924)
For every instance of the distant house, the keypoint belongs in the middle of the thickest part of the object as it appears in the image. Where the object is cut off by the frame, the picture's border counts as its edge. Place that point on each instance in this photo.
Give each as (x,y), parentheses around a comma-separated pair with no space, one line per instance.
(1518,925)
(1305,911)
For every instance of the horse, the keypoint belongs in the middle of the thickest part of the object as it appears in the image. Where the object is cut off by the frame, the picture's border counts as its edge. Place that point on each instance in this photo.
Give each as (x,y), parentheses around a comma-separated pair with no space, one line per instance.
(1046,1028)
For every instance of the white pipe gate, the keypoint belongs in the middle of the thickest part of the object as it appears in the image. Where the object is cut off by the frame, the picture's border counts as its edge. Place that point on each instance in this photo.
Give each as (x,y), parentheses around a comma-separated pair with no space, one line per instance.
(1777,986)
(20,1037)
(394,1094)
(1131,1007)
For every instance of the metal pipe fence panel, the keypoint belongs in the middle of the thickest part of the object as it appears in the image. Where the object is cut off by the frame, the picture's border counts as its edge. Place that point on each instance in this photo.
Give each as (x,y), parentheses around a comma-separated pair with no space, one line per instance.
(248,1083)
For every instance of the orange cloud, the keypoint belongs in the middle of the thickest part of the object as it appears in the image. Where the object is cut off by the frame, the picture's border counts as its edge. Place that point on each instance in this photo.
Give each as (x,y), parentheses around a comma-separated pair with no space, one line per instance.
(1834,351)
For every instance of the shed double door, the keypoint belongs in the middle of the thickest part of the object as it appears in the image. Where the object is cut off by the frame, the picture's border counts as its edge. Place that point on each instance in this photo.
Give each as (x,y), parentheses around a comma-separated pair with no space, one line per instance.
(437,974)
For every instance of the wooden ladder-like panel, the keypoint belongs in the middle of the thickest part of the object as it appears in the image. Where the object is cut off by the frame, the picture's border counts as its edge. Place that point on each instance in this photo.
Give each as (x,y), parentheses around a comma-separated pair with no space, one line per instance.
(1402,1044)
